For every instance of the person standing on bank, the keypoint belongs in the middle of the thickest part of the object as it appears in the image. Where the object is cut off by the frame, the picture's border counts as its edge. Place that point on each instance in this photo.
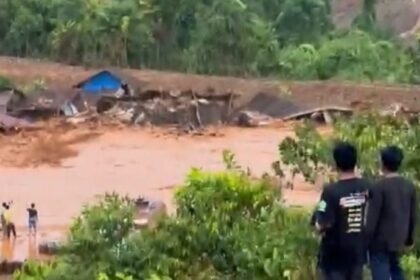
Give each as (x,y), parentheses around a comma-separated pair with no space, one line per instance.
(10,225)
(339,217)
(391,218)
(32,219)
(3,220)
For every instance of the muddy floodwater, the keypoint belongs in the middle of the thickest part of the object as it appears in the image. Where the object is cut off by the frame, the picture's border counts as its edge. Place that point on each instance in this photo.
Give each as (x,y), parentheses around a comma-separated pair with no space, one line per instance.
(134,163)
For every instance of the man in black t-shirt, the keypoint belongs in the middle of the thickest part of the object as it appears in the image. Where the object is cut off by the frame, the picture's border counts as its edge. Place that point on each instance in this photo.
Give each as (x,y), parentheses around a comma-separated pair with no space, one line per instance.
(391,218)
(339,217)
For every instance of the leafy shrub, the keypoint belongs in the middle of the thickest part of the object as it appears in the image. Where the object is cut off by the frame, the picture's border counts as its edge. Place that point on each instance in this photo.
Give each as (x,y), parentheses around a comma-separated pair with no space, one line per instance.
(226,196)
(101,226)
(228,226)
(97,239)
(33,270)
(411,266)
(5,83)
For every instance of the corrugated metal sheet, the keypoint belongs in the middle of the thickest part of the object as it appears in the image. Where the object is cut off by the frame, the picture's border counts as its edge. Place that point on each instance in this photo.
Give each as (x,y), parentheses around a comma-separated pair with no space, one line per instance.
(272,105)
(8,122)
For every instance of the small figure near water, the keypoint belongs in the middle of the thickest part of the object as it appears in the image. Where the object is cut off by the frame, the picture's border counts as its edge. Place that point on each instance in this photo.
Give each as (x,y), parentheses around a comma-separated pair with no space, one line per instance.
(3,221)
(32,219)
(9,226)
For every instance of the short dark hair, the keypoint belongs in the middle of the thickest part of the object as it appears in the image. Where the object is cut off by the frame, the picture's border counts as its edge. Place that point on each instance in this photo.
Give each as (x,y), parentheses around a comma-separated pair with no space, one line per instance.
(392,157)
(33,205)
(345,156)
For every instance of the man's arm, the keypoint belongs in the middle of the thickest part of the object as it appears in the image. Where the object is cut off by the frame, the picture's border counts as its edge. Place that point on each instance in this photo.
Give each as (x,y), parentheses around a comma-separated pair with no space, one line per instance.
(324,216)
(313,219)
(374,207)
(413,217)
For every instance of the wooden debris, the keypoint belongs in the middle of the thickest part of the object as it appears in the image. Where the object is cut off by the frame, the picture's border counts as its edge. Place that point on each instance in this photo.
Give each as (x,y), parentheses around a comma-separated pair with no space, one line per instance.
(148,213)
(252,119)
(9,267)
(324,114)
(50,247)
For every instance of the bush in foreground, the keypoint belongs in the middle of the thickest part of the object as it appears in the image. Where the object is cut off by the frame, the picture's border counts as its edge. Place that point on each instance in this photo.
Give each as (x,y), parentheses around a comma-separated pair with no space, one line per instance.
(228,226)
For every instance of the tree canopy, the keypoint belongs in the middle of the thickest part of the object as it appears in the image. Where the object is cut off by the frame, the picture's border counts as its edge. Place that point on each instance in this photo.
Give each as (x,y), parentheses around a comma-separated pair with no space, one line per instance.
(281,38)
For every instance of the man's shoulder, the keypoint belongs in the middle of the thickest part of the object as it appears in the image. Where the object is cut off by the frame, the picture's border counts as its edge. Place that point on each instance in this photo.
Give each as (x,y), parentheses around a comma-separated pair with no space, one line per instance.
(384,182)
(330,188)
(337,186)
(363,183)
(407,182)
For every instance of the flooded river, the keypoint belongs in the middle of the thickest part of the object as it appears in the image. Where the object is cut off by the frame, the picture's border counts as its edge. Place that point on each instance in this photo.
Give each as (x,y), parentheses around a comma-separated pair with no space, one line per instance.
(129,162)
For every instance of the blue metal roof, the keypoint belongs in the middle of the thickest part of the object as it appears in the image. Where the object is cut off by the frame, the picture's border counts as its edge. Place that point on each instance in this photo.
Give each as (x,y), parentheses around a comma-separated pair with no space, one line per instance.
(104,81)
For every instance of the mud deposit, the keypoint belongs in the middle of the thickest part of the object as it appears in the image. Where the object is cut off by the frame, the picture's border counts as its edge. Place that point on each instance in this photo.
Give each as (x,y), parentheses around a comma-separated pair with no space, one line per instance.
(136,162)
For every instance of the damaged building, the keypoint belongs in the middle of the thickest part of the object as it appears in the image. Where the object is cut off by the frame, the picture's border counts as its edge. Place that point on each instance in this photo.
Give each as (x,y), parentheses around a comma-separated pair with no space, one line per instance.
(103,89)
(119,95)
(108,83)
(188,109)
(44,104)
(9,123)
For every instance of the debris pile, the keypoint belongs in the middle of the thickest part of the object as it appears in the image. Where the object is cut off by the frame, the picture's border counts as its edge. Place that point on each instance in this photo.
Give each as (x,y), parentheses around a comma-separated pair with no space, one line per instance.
(116,96)
(253,119)
(394,109)
(148,212)
(321,114)
(9,267)
(49,247)
(187,110)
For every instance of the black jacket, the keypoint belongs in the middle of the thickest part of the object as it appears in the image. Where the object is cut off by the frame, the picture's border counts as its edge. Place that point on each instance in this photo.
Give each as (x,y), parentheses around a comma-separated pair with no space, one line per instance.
(391,215)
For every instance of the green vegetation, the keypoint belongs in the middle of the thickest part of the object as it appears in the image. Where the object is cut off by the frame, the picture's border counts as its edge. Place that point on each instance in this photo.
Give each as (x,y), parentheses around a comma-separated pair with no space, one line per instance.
(310,154)
(291,39)
(5,83)
(355,55)
(228,226)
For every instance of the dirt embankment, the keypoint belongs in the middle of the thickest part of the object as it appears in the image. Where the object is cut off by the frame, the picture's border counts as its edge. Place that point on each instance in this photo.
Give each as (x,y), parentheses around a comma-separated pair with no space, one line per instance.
(49,145)
(306,94)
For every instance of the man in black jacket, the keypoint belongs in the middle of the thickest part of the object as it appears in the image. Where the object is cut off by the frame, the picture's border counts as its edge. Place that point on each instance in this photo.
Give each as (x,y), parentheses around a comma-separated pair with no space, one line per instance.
(391,218)
(339,217)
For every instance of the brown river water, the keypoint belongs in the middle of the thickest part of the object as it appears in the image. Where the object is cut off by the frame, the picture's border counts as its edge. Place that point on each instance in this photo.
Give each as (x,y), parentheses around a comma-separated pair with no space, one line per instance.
(129,162)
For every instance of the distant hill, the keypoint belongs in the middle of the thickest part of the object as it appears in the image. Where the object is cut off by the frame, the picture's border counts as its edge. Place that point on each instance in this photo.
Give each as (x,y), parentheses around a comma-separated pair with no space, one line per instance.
(402,17)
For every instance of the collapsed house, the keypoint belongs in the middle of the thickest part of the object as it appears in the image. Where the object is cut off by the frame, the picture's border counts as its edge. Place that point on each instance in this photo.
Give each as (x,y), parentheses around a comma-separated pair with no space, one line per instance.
(7,122)
(188,109)
(102,90)
(119,95)
(44,104)
(325,114)
(113,83)
(263,109)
